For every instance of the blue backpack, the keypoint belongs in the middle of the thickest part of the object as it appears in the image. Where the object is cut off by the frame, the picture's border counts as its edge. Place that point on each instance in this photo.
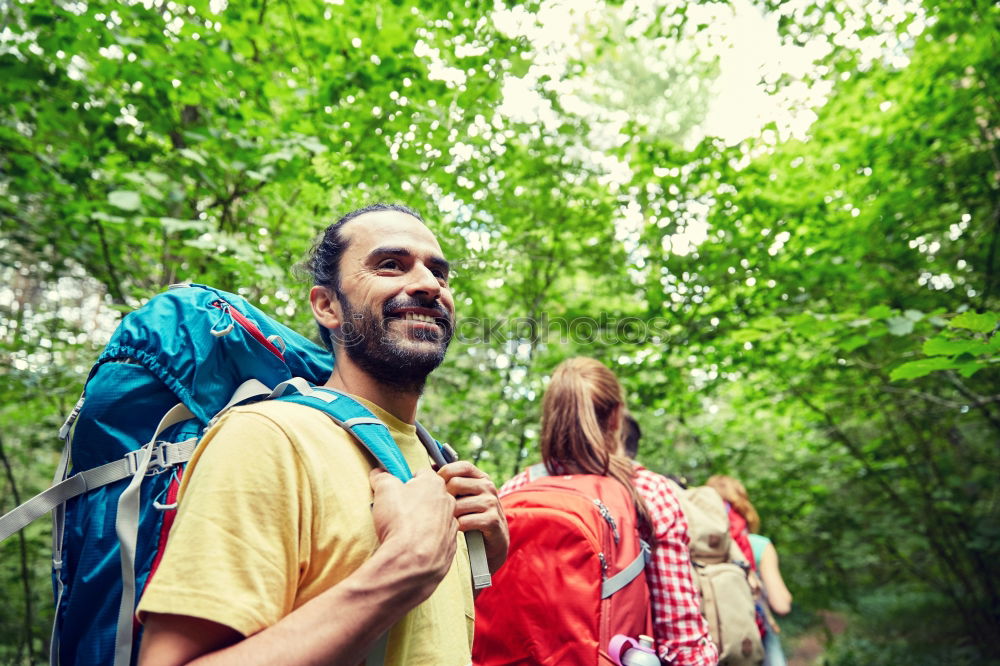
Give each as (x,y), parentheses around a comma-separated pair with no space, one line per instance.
(170,368)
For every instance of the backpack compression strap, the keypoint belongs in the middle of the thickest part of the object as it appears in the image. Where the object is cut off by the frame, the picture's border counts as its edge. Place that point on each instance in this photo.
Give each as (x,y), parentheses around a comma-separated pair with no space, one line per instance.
(164,454)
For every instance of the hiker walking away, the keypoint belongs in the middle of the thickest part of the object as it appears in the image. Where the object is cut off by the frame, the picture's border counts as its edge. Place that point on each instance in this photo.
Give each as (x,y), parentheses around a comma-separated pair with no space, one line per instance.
(742,515)
(288,546)
(775,596)
(720,571)
(582,415)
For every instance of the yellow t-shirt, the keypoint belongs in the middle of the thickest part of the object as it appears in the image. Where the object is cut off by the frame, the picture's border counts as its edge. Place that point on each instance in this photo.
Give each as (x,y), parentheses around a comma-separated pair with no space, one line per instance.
(275,508)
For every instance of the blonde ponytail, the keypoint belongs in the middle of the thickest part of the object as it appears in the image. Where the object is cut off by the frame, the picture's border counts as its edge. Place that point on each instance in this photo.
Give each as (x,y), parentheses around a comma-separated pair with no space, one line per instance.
(582,412)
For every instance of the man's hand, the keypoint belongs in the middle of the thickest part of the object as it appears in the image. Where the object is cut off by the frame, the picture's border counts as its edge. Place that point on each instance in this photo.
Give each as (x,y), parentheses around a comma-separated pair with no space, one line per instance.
(478,508)
(417,519)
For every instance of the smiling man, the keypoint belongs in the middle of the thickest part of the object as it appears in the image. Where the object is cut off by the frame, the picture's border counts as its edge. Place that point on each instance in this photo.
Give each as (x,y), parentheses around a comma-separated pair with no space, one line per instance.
(289,547)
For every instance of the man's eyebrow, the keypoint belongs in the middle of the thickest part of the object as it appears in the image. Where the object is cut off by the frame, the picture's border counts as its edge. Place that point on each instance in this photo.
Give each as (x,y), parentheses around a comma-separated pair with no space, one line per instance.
(437,262)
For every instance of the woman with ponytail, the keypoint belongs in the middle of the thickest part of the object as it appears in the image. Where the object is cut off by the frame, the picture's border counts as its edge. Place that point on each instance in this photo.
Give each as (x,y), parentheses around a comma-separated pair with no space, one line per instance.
(583,411)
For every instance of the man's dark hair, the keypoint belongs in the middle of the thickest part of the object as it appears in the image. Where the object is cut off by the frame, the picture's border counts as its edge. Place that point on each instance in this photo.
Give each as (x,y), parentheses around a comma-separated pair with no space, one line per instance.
(323,262)
(630,435)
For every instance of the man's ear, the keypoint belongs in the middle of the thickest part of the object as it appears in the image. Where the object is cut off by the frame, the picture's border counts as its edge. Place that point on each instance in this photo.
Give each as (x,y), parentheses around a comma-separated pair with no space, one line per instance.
(325,307)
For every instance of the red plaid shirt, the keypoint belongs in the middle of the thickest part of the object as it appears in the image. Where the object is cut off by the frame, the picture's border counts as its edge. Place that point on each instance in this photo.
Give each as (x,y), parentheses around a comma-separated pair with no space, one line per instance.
(681,632)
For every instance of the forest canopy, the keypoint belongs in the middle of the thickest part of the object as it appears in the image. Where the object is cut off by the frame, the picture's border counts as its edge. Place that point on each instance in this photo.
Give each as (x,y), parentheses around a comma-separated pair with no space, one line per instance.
(778,222)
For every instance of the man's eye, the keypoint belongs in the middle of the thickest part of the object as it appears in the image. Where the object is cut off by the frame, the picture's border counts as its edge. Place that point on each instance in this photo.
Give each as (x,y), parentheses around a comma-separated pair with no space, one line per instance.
(389,265)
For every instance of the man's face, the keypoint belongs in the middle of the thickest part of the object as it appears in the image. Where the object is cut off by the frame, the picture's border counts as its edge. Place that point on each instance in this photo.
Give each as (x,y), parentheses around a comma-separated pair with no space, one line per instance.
(397,309)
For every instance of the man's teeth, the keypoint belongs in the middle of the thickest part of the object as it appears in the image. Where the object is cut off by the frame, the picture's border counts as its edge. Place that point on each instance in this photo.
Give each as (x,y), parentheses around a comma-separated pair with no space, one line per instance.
(413,316)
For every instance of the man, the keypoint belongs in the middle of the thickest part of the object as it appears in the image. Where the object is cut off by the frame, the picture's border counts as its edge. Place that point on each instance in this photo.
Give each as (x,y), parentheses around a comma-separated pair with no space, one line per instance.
(677,614)
(631,432)
(288,547)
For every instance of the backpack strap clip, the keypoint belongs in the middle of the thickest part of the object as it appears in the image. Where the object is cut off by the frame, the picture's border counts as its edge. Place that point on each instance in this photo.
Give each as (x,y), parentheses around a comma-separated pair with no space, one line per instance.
(164,456)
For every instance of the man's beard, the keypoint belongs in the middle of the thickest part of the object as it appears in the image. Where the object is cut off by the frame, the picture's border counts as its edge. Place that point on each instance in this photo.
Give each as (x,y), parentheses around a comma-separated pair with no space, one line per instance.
(366,339)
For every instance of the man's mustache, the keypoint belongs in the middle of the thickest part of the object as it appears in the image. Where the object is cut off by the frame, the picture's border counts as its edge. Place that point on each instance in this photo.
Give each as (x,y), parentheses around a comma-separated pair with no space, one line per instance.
(442,315)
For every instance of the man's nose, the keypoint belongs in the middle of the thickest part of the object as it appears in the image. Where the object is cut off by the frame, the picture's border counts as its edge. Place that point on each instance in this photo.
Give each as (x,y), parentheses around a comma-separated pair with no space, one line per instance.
(423,282)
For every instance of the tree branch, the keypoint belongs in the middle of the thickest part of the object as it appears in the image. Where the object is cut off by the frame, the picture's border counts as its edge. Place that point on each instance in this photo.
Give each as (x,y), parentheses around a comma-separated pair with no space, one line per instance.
(23,547)
(113,282)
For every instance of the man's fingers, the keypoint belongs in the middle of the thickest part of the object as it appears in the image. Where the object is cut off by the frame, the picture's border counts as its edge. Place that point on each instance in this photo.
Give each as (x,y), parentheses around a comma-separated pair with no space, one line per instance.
(379,477)
(473,504)
(461,468)
(461,485)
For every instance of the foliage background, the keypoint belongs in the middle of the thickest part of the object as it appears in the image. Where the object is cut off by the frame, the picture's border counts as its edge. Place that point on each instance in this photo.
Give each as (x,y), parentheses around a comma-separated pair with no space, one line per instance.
(813,312)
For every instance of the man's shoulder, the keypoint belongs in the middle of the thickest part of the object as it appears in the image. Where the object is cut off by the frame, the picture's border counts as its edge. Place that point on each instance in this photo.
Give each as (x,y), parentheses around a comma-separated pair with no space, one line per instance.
(279,417)
(650,478)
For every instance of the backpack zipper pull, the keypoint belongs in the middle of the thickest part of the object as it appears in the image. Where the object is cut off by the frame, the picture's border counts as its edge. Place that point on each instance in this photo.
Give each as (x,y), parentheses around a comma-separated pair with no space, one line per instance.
(604,566)
(606,514)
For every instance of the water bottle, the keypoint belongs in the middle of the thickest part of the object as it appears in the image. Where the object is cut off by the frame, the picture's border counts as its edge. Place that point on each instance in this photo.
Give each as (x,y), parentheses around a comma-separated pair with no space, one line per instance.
(626,652)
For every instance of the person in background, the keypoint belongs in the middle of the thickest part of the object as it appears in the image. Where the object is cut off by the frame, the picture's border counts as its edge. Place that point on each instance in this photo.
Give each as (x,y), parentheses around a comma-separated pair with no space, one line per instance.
(631,433)
(742,515)
(583,414)
(774,593)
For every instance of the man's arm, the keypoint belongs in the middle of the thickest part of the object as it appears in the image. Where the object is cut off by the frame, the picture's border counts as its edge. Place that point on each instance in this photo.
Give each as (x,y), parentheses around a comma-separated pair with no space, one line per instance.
(340,625)
(478,508)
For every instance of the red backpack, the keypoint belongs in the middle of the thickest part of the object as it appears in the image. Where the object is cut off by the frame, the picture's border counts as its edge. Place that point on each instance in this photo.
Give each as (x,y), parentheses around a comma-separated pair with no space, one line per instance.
(573,576)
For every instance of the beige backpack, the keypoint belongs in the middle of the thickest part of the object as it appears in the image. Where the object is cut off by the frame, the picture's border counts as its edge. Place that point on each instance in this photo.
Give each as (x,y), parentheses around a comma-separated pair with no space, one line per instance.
(721,574)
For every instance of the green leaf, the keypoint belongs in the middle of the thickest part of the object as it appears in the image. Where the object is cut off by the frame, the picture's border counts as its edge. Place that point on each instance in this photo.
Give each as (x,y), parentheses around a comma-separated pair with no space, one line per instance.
(104,217)
(747,335)
(125,199)
(283,154)
(943,347)
(924,366)
(194,156)
(974,321)
(172,224)
(970,368)
(900,325)
(769,323)
(879,312)
(853,342)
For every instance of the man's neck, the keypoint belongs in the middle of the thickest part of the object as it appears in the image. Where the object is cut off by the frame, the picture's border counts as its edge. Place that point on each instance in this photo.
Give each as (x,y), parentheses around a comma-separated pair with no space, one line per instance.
(348,378)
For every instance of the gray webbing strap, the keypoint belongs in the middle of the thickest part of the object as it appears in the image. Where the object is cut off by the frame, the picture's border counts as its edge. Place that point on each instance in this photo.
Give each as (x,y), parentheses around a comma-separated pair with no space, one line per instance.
(626,575)
(127,528)
(248,390)
(59,528)
(251,388)
(360,420)
(474,544)
(300,385)
(164,455)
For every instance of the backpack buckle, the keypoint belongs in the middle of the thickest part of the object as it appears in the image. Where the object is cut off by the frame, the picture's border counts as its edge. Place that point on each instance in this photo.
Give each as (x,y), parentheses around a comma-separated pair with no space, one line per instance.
(157,461)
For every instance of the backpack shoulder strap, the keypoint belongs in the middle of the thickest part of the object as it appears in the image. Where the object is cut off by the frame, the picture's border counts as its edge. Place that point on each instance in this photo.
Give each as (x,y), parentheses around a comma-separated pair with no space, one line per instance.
(374,435)
(357,420)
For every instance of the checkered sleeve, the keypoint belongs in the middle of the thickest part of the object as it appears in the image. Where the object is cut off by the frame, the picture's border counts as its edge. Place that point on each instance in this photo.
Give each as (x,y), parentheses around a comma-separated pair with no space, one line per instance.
(517,481)
(681,632)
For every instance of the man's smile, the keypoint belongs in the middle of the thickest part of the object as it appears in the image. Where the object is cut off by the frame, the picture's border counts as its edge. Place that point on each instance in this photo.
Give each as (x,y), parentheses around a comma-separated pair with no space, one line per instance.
(420,317)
